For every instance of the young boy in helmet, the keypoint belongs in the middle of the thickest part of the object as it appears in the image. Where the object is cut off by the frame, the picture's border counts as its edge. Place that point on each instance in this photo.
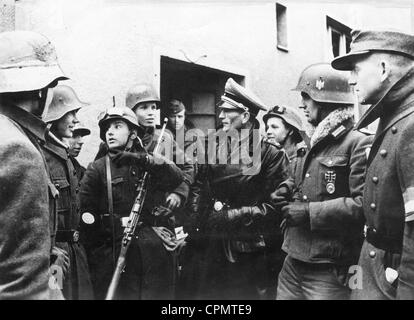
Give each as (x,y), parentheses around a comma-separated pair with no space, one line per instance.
(147,274)
(324,224)
(61,120)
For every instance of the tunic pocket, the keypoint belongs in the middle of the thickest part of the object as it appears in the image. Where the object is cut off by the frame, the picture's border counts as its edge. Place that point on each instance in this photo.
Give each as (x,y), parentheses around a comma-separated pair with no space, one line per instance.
(333,176)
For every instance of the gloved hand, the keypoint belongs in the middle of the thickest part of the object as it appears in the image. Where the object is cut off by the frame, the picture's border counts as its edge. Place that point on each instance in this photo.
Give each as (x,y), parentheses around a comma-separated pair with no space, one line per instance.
(280,197)
(140,158)
(243,215)
(173,201)
(60,258)
(296,213)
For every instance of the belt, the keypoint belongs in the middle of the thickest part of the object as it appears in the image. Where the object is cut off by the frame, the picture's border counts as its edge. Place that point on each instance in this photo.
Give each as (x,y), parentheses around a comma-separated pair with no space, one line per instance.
(381,241)
(71,236)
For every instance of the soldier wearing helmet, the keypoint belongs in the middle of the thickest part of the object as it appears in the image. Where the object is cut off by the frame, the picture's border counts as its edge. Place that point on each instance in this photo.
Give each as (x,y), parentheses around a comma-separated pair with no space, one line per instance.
(61,119)
(321,211)
(148,271)
(28,71)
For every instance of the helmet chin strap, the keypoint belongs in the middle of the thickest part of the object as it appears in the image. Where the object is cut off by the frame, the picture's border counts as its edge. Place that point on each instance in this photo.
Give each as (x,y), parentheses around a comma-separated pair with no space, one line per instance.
(285,139)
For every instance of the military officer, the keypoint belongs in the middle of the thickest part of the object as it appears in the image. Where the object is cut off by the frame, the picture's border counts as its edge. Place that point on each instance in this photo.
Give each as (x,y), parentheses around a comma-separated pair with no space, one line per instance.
(382,64)
(237,216)
(324,224)
(28,71)
(61,119)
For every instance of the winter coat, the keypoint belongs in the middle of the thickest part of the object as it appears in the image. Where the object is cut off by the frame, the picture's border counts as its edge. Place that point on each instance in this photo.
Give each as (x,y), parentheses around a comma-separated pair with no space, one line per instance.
(24,207)
(331,182)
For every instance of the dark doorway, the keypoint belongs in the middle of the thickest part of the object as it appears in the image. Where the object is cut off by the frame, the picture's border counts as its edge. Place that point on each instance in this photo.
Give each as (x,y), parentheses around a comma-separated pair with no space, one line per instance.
(198,87)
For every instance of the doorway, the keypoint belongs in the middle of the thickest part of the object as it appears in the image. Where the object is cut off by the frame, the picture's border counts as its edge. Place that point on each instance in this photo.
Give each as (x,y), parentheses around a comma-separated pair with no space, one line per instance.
(198,87)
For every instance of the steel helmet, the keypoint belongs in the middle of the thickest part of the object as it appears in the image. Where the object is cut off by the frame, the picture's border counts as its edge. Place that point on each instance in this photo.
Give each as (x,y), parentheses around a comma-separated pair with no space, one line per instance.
(325,84)
(64,100)
(28,62)
(141,93)
(289,115)
(123,113)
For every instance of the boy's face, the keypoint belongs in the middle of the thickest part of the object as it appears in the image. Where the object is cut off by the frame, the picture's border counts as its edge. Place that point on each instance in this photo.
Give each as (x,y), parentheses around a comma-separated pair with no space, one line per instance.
(177,120)
(117,134)
(75,145)
(66,124)
(145,113)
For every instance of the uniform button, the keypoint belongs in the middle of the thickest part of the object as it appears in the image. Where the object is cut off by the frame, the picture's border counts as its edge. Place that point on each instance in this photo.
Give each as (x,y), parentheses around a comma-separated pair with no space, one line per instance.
(133,172)
(372,254)
(375,179)
(373,206)
(383,152)
(394,130)
(307,175)
(136,185)
(305,198)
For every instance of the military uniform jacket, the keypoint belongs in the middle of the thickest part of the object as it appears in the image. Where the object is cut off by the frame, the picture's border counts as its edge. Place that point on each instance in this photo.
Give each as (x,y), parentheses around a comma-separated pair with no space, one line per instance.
(77,283)
(331,181)
(247,183)
(389,189)
(24,208)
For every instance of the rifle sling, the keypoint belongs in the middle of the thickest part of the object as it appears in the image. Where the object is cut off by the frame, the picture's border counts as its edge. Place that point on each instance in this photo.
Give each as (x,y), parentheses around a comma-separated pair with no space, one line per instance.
(110,204)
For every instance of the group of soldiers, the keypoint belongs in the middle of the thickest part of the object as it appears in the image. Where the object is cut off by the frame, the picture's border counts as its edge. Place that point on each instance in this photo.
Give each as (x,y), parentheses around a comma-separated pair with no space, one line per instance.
(294,217)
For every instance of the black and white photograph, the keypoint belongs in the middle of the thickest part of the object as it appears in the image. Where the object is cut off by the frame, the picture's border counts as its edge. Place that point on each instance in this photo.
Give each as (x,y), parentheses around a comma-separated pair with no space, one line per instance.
(203,152)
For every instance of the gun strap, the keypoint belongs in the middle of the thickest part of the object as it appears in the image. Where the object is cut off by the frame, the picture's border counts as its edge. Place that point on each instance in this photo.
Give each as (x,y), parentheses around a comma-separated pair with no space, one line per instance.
(110,204)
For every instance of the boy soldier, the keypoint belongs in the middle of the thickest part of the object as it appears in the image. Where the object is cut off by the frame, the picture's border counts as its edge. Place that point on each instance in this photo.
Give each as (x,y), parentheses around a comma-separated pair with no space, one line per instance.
(324,224)
(61,119)
(75,146)
(108,192)
(28,71)
(284,130)
(382,64)
(237,216)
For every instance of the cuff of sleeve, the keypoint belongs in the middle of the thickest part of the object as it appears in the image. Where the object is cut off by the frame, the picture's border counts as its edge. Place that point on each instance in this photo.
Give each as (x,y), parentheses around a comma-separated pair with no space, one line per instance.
(315,209)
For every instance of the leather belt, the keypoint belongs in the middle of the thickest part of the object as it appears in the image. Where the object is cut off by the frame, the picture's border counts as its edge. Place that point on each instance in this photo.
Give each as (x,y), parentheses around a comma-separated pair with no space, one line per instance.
(71,236)
(381,241)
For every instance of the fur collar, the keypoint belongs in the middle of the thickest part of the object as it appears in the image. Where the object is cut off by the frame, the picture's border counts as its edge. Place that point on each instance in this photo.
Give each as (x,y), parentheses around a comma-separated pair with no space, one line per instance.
(330,123)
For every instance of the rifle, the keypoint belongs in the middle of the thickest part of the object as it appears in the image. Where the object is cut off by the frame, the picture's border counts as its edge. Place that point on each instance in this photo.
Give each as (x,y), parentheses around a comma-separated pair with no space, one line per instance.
(132,224)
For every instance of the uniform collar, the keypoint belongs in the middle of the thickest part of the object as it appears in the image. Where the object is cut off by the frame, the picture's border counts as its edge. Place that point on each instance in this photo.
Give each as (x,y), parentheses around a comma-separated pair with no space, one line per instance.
(392,101)
(56,146)
(335,125)
(26,120)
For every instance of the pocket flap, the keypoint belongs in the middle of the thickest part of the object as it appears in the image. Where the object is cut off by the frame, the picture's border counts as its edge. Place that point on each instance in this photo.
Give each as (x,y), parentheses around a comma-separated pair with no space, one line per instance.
(334,161)
(61,183)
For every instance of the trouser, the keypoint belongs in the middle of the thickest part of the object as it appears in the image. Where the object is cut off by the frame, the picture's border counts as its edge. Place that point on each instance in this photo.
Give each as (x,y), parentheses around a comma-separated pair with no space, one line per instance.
(311,281)
(222,279)
(374,285)
(149,270)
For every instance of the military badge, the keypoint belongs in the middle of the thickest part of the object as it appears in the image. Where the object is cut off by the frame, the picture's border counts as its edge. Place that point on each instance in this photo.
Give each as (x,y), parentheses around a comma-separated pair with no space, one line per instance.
(330,177)
(320,84)
(218,205)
